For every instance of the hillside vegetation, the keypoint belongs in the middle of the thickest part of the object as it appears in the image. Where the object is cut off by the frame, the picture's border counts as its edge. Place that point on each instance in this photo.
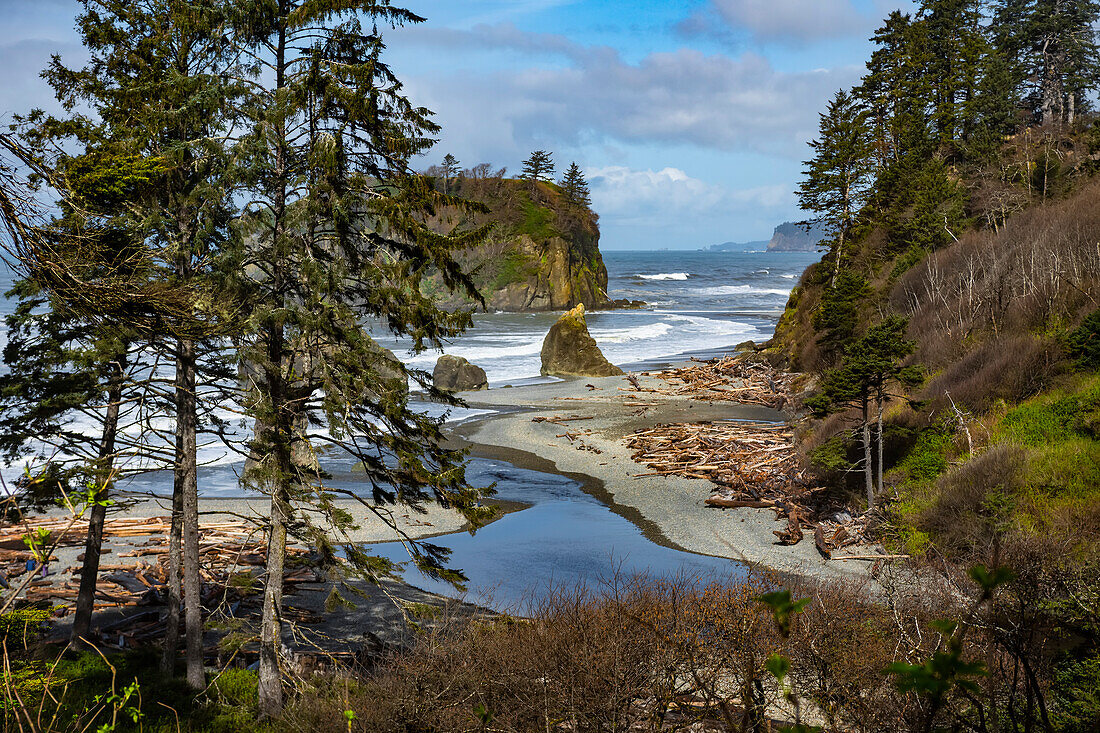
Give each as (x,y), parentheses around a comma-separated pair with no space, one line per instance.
(949,336)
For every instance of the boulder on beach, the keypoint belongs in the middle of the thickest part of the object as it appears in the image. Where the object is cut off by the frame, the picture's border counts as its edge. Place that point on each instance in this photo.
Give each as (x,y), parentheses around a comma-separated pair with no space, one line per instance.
(570,351)
(455,374)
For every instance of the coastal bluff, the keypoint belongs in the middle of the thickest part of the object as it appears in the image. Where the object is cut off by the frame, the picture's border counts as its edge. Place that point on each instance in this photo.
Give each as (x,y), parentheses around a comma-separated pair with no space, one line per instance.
(541,255)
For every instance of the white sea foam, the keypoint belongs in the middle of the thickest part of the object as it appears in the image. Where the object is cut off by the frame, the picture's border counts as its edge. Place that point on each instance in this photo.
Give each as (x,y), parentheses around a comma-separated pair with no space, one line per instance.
(635,333)
(666,276)
(740,290)
(789,277)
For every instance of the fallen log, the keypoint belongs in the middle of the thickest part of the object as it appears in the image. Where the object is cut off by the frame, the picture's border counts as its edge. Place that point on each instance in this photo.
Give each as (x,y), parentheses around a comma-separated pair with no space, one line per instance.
(724,503)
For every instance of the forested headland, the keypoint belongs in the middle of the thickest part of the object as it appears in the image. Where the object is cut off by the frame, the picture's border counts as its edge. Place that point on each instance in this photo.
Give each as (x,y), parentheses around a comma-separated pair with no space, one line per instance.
(542,252)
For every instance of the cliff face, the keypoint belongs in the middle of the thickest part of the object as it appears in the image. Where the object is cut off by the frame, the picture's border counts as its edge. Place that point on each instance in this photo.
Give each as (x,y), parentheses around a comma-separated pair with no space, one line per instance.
(543,253)
(790,237)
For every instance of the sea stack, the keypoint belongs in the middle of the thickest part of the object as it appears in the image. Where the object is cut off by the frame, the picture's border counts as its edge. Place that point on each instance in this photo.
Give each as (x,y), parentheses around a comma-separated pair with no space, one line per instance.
(569,350)
(455,374)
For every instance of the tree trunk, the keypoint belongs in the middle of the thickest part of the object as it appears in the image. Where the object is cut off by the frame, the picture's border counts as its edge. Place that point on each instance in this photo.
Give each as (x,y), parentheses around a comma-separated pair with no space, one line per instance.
(89,573)
(187,478)
(1049,87)
(868,466)
(836,260)
(277,433)
(881,483)
(271,682)
(171,640)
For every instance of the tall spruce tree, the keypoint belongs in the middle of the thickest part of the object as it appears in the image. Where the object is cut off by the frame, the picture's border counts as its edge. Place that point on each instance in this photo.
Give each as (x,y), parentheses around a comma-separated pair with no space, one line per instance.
(957,46)
(871,365)
(575,187)
(450,167)
(837,179)
(156,82)
(336,232)
(538,167)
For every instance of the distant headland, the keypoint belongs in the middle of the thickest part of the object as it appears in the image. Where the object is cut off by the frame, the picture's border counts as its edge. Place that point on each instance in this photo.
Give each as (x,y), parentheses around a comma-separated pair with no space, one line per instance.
(788,237)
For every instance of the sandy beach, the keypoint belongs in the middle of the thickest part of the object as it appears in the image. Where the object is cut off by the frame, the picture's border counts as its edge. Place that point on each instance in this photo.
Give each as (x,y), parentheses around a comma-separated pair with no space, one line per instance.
(668,509)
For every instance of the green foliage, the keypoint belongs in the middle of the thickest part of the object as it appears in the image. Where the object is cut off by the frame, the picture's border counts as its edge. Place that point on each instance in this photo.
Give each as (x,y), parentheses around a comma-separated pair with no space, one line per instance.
(837,180)
(831,456)
(24,623)
(537,222)
(837,318)
(574,187)
(929,457)
(871,363)
(512,268)
(1076,694)
(1083,343)
(538,167)
(237,687)
(784,608)
(1057,417)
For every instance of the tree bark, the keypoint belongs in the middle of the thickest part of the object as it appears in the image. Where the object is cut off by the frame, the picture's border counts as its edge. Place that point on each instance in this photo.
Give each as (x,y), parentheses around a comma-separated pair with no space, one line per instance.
(277,434)
(93,544)
(868,466)
(270,675)
(187,479)
(881,483)
(175,565)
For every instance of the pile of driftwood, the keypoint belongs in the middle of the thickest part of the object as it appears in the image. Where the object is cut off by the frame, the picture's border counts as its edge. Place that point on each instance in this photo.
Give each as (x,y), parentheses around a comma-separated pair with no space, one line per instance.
(754,465)
(729,378)
(232,554)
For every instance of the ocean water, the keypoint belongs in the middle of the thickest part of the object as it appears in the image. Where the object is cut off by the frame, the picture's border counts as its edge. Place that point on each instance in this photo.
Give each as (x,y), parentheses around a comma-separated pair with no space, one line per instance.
(697,304)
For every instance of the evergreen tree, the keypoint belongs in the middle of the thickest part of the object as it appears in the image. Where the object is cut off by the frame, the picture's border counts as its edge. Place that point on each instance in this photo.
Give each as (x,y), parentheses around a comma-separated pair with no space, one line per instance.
(66,368)
(450,167)
(1051,49)
(575,187)
(956,48)
(993,109)
(335,233)
(871,365)
(837,320)
(539,167)
(837,179)
(156,83)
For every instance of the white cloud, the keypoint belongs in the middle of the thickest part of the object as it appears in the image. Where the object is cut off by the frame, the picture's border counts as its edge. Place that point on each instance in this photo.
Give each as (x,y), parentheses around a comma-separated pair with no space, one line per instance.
(596,97)
(792,19)
(627,197)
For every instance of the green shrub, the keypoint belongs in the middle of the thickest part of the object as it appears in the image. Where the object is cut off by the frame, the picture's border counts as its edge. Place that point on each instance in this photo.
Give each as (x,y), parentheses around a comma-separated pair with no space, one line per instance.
(238,687)
(1083,343)
(1076,693)
(538,221)
(1055,418)
(514,267)
(929,456)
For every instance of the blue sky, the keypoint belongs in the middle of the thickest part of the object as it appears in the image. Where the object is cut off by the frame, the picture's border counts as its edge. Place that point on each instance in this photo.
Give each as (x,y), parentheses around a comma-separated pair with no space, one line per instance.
(690,117)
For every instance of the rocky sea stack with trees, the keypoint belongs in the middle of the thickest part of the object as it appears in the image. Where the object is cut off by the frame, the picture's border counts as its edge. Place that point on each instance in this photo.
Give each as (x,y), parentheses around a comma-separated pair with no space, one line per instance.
(542,251)
(890,498)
